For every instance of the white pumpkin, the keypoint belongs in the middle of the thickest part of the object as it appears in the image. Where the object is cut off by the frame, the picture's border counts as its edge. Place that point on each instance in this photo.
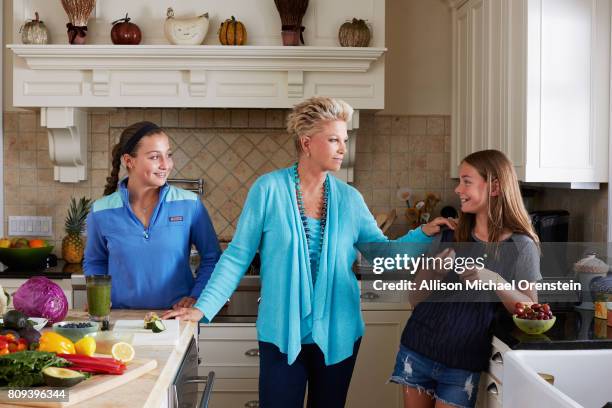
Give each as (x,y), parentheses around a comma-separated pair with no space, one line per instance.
(185,31)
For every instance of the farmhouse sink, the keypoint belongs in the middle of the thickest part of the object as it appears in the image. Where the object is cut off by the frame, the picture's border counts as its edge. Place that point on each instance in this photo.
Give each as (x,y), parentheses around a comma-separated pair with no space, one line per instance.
(581,378)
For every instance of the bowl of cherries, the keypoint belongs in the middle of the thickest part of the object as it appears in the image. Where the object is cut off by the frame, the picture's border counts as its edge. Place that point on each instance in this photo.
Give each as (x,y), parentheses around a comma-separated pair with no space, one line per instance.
(533,318)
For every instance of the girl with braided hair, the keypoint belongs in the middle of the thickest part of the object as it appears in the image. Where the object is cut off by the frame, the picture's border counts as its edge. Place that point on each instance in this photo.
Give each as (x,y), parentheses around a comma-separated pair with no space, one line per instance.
(142,230)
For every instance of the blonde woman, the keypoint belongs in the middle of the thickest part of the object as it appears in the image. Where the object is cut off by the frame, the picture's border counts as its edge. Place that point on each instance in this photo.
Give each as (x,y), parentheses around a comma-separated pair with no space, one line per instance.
(305,224)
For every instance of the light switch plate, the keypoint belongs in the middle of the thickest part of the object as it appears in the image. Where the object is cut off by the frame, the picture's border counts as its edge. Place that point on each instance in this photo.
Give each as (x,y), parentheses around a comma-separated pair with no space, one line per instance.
(30,226)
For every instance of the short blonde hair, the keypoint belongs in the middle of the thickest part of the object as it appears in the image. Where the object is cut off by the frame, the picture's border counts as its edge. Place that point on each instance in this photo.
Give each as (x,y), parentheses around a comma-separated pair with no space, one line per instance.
(307,116)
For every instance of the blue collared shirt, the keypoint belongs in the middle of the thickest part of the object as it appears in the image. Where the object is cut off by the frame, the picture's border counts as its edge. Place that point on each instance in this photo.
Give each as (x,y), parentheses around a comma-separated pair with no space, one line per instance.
(150,266)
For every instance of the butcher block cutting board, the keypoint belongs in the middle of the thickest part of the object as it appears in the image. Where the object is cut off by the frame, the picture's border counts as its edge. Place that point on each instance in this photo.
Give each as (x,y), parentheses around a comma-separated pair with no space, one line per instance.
(146,337)
(93,386)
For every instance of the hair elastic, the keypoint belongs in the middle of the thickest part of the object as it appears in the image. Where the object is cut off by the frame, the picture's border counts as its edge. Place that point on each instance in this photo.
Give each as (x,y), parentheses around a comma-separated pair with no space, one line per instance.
(148,127)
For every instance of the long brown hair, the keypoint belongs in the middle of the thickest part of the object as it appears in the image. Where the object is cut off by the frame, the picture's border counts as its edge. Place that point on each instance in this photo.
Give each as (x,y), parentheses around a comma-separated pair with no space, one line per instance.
(118,152)
(504,211)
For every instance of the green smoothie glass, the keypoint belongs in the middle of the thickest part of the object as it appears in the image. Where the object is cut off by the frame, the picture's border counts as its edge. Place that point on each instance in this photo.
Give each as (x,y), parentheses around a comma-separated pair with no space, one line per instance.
(99,298)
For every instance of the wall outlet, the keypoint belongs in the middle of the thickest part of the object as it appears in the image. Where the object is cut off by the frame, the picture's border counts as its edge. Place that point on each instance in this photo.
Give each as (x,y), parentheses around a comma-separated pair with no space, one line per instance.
(30,226)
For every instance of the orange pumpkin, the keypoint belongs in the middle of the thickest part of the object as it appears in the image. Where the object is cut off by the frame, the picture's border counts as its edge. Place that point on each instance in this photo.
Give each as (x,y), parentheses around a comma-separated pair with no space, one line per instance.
(232,32)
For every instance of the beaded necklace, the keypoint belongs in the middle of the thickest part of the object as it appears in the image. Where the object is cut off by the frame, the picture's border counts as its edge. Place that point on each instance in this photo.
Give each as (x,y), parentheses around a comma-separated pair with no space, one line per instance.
(300,202)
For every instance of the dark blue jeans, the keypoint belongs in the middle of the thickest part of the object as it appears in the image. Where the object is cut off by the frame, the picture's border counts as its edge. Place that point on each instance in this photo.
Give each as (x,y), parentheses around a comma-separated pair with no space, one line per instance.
(283,386)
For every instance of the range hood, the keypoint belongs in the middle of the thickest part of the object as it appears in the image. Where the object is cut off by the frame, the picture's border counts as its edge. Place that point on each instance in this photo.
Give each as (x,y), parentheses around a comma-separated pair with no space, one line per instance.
(66,81)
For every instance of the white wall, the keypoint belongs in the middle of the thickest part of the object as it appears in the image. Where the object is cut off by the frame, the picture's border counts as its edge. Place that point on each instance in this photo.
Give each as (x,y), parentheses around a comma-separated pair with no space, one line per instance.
(7,60)
(418,63)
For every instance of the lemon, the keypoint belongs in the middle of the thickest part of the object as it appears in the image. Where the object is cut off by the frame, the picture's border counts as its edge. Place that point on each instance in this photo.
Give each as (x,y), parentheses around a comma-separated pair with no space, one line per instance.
(86,346)
(123,352)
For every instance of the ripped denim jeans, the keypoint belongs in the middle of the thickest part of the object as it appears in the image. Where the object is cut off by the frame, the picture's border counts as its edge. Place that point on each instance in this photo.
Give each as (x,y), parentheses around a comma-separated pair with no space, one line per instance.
(453,386)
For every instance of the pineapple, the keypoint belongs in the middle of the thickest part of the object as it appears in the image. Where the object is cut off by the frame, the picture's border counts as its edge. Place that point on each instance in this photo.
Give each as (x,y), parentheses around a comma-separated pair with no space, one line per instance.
(72,244)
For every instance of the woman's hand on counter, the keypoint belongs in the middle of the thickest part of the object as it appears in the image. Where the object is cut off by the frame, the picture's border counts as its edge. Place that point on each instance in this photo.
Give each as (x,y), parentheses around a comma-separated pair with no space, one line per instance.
(184,313)
(187,301)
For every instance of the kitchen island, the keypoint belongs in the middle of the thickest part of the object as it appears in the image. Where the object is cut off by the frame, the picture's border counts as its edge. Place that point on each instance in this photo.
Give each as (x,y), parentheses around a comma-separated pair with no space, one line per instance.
(150,389)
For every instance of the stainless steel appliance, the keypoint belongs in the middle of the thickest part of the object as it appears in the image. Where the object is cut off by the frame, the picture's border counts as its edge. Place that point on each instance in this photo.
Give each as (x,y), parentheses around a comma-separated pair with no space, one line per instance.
(183,392)
(551,225)
(242,307)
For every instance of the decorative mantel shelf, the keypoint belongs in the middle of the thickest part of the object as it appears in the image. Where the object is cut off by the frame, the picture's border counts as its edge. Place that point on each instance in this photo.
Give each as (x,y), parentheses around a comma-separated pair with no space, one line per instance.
(100,76)
(211,57)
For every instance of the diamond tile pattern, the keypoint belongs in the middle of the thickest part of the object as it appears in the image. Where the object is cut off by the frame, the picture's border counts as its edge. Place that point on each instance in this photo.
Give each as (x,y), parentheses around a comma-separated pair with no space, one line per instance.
(229,152)
(228,162)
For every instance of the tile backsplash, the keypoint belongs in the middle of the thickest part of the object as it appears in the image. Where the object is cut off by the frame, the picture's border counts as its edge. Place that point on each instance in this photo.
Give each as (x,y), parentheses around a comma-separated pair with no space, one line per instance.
(230,148)
(588,211)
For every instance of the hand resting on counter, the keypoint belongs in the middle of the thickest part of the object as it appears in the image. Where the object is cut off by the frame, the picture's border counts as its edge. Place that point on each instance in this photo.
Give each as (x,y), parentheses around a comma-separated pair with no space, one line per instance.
(184,313)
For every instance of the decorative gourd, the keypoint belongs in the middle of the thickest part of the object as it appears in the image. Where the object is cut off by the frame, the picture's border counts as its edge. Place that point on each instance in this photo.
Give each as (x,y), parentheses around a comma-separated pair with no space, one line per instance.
(232,32)
(185,31)
(34,32)
(124,32)
(354,33)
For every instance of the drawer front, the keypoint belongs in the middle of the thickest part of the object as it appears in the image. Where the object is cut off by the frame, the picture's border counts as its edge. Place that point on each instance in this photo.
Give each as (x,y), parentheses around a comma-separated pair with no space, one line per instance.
(496,361)
(496,365)
(246,331)
(230,350)
(235,352)
(235,393)
(493,392)
(234,399)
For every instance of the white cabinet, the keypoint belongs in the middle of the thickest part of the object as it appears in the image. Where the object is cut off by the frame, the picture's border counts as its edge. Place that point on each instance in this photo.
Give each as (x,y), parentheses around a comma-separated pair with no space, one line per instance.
(375,361)
(532,78)
(231,351)
(491,382)
(469,40)
(489,392)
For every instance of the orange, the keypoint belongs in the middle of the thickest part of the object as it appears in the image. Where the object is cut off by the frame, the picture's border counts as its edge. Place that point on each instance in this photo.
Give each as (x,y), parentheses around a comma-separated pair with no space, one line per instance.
(37,243)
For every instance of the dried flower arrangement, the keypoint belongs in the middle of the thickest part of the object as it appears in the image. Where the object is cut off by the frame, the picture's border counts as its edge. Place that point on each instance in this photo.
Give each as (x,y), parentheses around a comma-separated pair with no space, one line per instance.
(291,13)
(78,13)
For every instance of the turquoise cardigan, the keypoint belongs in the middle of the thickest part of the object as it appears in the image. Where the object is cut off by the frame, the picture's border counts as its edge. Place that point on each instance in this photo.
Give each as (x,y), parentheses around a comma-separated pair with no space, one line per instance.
(290,305)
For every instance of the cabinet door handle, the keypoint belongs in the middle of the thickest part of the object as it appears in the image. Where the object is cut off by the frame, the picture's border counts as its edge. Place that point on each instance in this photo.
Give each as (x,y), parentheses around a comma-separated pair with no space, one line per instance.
(252,404)
(210,380)
(370,296)
(174,394)
(492,389)
(497,358)
(252,353)
(198,379)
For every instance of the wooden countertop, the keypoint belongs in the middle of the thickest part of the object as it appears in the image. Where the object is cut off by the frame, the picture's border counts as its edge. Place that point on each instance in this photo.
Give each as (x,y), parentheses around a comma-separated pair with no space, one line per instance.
(149,390)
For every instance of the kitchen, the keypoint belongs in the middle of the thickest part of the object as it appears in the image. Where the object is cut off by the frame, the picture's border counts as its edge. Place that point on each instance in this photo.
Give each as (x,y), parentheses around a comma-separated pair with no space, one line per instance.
(401,138)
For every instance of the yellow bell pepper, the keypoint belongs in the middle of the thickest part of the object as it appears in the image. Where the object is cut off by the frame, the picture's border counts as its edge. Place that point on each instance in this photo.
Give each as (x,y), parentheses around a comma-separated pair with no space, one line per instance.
(55,343)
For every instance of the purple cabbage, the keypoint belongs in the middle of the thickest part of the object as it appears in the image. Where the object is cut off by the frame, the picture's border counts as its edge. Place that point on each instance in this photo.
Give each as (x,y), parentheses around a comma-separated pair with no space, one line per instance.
(41,297)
